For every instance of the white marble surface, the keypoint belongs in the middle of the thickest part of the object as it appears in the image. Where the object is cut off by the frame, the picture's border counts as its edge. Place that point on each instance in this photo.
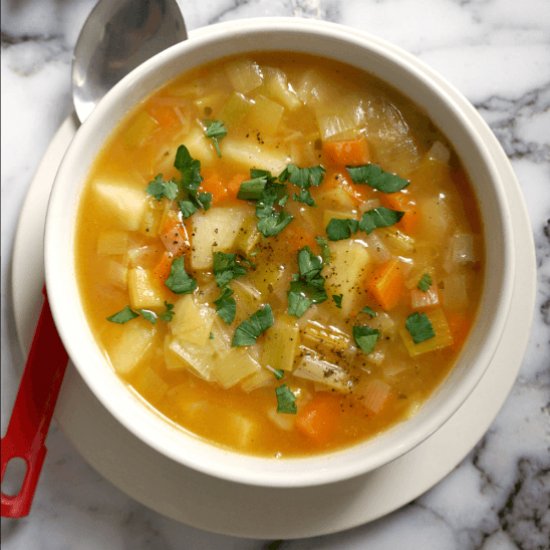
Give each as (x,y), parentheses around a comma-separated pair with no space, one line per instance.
(497,52)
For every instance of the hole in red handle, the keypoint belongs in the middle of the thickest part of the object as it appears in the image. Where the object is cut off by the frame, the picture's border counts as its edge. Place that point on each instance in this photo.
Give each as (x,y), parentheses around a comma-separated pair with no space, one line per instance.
(14,476)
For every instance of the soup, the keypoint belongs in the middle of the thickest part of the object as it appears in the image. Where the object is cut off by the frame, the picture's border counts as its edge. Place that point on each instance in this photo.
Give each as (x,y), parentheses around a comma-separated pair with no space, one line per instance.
(279,254)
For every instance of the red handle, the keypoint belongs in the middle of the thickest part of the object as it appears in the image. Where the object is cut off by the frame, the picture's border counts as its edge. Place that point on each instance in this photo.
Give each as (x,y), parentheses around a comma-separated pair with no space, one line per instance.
(32,412)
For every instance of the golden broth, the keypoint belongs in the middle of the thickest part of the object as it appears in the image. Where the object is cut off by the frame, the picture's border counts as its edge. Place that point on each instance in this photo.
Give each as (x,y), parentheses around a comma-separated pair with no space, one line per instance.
(338,387)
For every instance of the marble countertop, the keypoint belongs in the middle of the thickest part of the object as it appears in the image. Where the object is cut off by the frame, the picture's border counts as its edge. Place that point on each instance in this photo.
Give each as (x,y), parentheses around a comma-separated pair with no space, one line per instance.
(497,52)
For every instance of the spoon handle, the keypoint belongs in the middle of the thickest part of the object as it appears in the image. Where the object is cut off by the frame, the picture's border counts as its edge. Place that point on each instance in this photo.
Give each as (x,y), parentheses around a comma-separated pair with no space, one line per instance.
(32,412)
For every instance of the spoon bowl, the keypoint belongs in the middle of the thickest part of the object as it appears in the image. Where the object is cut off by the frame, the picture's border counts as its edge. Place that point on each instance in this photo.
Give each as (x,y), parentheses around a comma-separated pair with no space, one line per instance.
(118,36)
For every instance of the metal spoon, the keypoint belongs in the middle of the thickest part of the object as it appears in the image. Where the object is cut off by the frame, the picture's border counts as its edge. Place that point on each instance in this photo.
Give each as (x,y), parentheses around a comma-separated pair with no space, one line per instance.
(117,36)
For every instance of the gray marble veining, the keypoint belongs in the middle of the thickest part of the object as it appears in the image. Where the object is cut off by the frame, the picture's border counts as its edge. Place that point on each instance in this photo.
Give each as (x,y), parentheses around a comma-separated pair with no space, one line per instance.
(497,52)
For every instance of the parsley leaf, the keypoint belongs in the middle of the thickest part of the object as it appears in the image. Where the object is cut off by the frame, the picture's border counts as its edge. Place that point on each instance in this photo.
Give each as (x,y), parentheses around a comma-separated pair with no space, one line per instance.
(379,217)
(263,189)
(338,229)
(191,179)
(419,327)
(160,188)
(337,299)
(308,287)
(274,223)
(305,197)
(365,337)
(369,311)
(303,178)
(325,250)
(249,330)
(168,313)
(251,190)
(123,316)
(226,268)
(226,305)
(151,316)
(286,400)
(425,282)
(187,208)
(179,281)
(373,175)
(216,131)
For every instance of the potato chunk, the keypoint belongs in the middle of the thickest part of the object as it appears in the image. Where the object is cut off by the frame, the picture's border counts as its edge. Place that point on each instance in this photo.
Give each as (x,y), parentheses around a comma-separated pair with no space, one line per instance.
(124,203)
(192,322)
(144,289)
(215,230)
(135,339)
(347,268)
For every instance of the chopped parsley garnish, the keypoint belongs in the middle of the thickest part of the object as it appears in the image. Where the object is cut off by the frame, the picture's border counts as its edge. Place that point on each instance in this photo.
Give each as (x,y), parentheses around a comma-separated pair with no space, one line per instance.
(211,336)
(338,229)
(149,315)
(191,179)
(307,287)
(127,314)
(227,268)
(286,400)
(365,337)
(159,188)
(425,282)
(179,281)
(277,373)
(269,195)
(274,223)
(379,217)
(187,208)
(216,131)
(373,175)
(419,327)
(304,196)
(123,316)
(226,305)
(369,311)
(337,299)
(168,313)
(249,330)
(325,250)
(251,190)
(304,178)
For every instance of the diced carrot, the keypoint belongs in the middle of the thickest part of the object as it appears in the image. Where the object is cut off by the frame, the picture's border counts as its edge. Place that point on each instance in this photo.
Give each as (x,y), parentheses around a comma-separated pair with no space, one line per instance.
(174,236)
(352,152)
(297,236)
(375,396)
(403,202)
(319,420)
(164,115)
(162,270)
(460,327)
(387,284)
(213,183)
(234,184)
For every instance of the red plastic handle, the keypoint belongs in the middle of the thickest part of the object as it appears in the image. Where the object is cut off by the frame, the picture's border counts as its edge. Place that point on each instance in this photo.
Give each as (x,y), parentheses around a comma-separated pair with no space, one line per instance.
(32,412)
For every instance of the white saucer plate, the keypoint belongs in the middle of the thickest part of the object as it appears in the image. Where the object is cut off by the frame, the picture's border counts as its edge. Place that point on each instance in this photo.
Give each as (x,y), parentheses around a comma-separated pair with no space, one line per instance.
(233,509)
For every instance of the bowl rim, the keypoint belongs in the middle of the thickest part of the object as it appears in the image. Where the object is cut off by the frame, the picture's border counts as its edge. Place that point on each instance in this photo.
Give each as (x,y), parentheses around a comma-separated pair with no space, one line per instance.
(305,471)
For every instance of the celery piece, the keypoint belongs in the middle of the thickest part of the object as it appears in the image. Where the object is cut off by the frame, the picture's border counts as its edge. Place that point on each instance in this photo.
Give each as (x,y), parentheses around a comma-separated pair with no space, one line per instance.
(139,129)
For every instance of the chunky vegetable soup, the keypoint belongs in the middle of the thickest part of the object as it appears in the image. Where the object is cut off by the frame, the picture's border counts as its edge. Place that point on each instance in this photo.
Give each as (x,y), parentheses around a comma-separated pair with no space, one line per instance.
(280,254)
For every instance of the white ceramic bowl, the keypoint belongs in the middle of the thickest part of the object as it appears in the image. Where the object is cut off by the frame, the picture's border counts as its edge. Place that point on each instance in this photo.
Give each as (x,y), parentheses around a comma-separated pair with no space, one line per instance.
(448,110)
